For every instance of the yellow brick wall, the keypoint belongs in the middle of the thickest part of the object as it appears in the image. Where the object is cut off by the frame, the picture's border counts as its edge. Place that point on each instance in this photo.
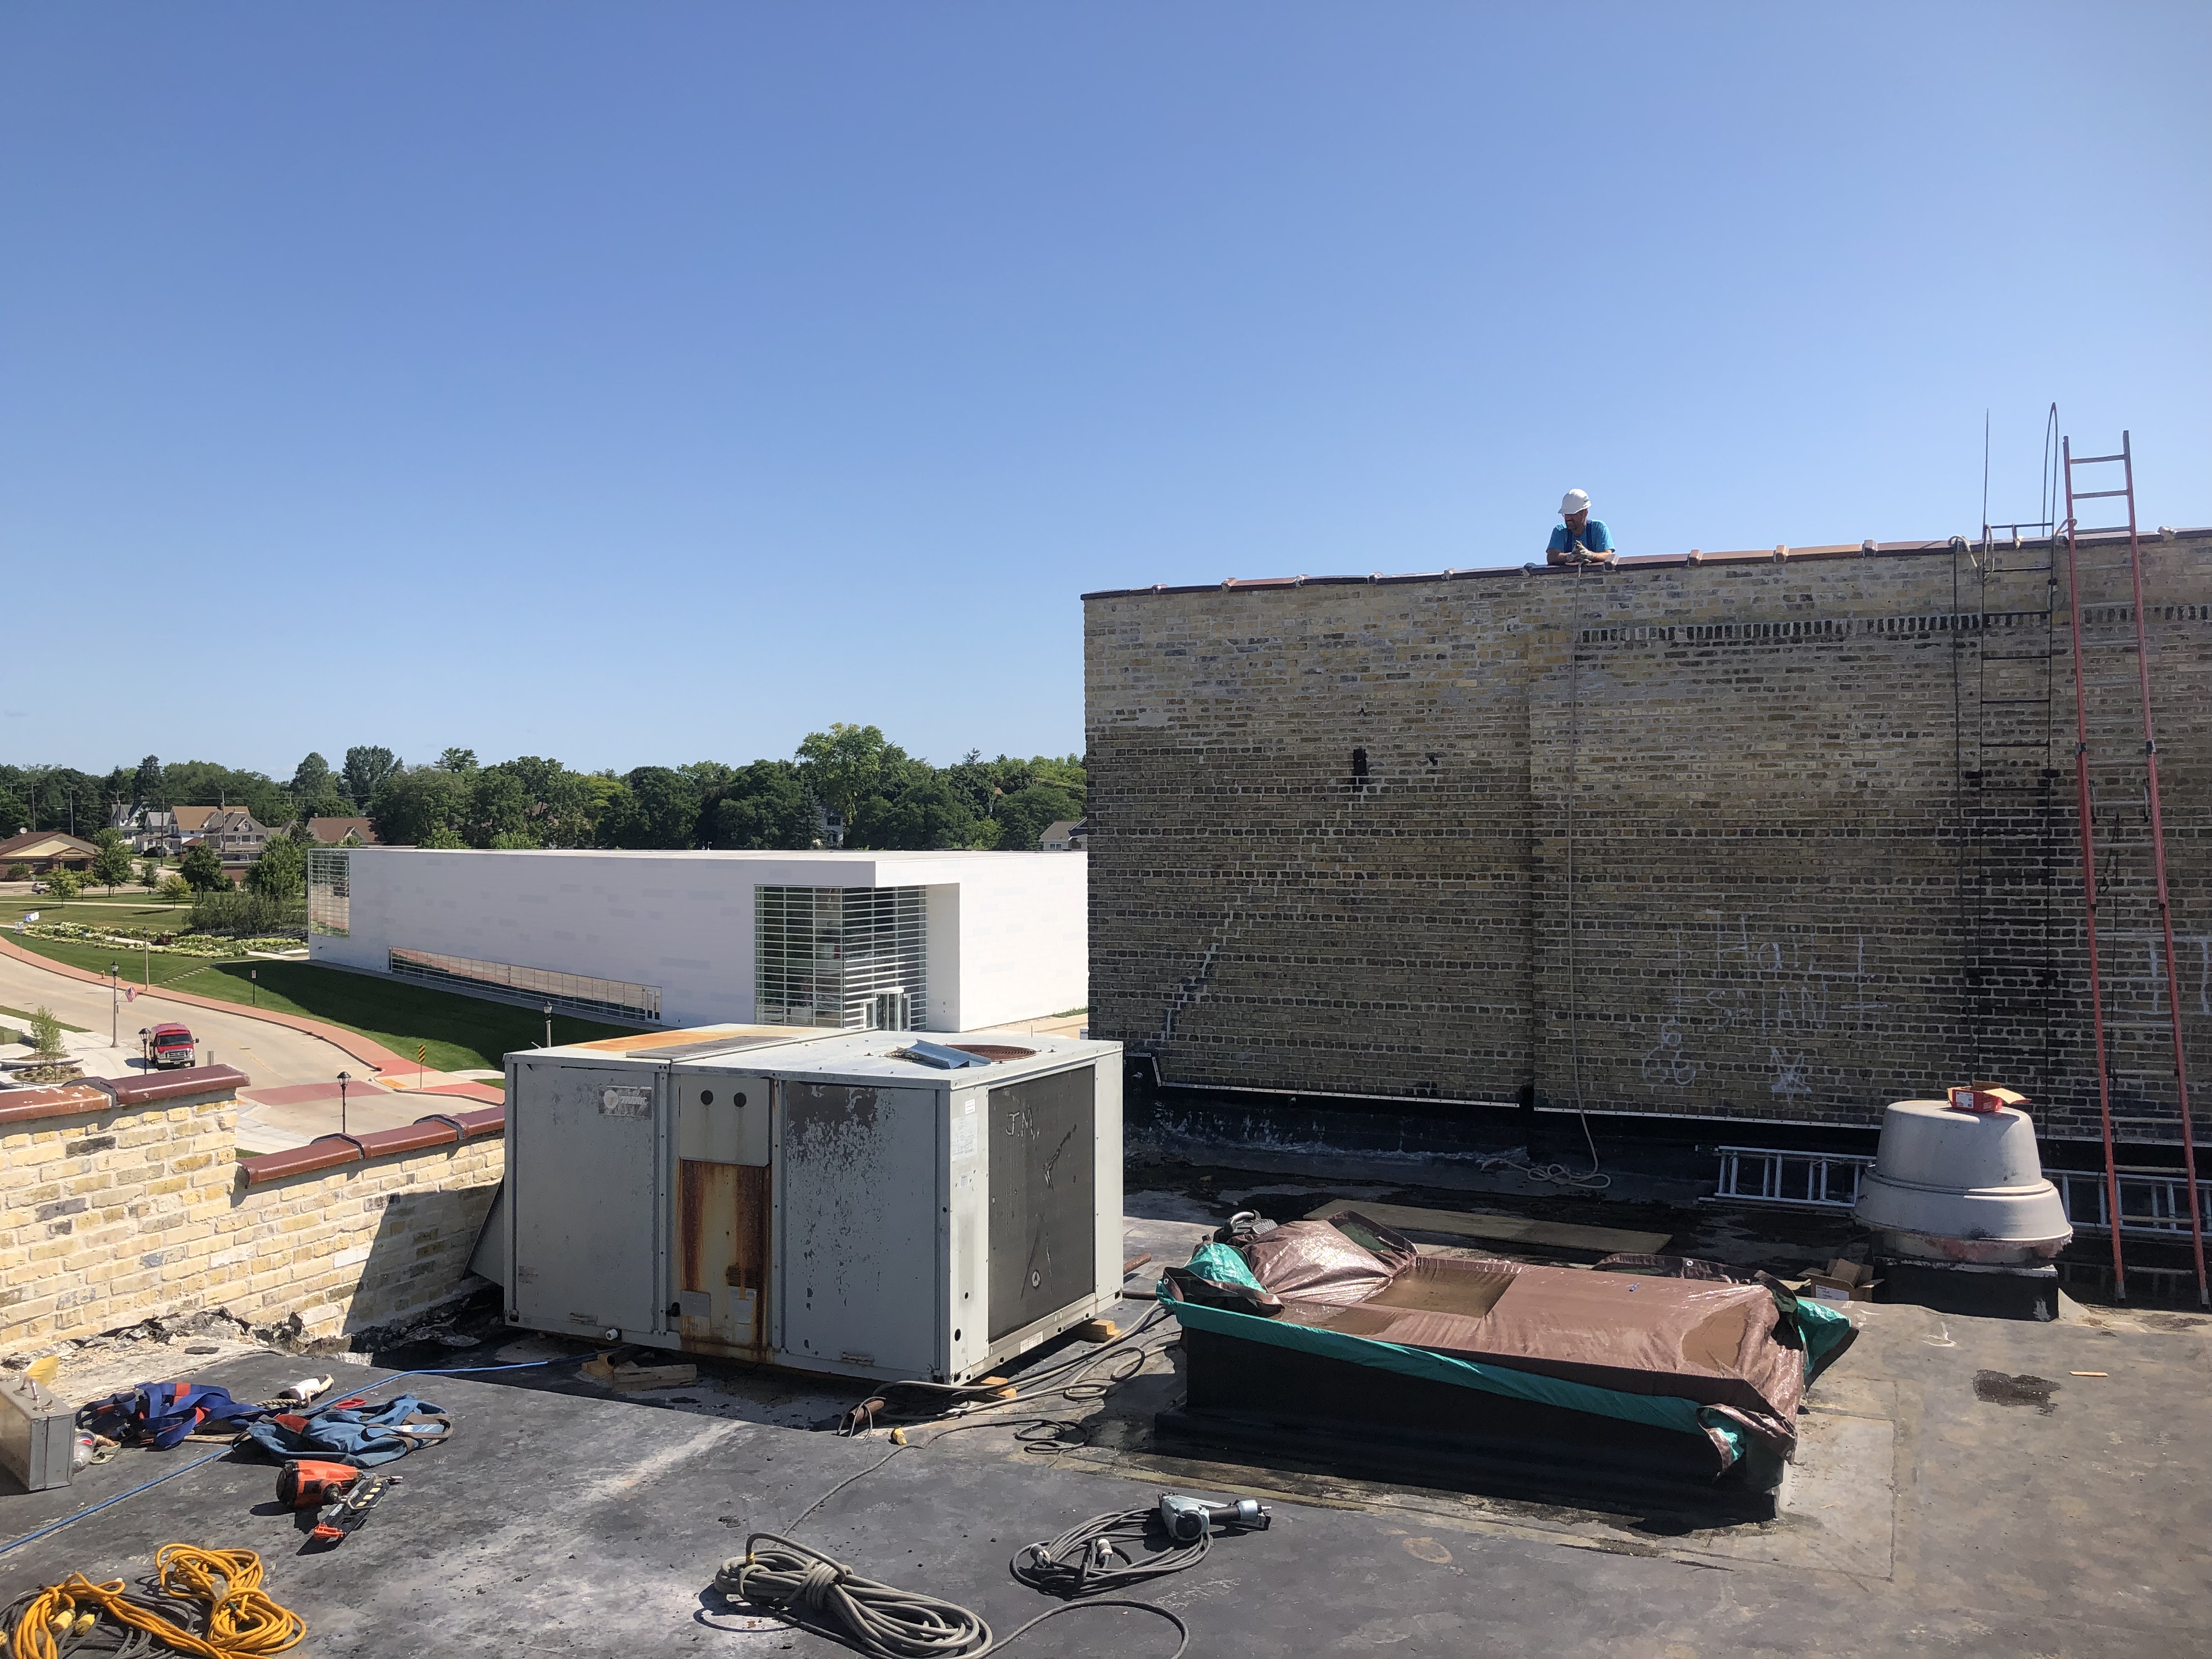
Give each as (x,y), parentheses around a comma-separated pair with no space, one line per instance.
(1755,842)
(109,1217)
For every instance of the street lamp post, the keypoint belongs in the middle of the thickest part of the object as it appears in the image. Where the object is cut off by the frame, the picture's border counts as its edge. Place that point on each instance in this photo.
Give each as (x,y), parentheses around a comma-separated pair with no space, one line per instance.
(549,1026)
(114,1005)
(254,974)
(344,1078)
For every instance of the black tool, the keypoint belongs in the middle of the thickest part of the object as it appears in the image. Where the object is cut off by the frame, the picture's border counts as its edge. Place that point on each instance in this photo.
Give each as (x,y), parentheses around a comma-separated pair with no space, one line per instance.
(343,1515)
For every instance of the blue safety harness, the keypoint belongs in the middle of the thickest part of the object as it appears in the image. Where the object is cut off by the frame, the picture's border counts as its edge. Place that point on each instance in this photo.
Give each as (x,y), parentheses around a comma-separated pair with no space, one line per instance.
(362,1435)
(159,1414)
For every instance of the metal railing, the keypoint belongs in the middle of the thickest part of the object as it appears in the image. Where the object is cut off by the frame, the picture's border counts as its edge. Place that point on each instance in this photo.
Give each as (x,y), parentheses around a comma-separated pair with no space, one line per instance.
(574,993)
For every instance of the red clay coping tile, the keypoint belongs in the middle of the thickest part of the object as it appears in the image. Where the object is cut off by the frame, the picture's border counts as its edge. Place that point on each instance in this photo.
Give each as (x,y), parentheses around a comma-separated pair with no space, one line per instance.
(190,1080)
(327,1152)
(1627,562)
(107,1095)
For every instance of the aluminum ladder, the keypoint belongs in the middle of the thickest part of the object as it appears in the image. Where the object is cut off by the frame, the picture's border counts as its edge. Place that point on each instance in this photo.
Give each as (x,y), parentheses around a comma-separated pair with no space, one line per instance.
(2153,1202)
(1803,1180)
(2112,714)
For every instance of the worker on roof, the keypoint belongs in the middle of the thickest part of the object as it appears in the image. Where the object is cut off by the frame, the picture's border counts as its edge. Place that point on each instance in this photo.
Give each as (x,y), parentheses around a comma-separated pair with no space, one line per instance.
(1581,540)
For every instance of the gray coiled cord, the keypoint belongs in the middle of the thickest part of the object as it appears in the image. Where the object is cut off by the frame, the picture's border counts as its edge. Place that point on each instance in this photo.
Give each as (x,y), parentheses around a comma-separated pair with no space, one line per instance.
(827,1597)
(1078,1562)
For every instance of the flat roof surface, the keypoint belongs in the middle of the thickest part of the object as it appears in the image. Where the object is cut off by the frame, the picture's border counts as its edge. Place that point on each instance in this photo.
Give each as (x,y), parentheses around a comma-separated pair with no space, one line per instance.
(823,1049)
(1944,1502)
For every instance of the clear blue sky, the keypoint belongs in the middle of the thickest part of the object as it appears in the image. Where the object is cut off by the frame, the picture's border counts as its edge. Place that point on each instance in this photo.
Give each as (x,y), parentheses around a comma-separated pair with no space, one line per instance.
(649,383)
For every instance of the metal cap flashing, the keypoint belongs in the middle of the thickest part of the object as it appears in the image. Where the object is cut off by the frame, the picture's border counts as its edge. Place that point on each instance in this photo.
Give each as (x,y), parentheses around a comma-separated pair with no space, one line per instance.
(1767,556)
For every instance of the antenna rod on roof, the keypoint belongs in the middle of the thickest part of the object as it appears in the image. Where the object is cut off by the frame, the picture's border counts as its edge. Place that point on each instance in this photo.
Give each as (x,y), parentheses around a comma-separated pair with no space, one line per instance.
(1985,479)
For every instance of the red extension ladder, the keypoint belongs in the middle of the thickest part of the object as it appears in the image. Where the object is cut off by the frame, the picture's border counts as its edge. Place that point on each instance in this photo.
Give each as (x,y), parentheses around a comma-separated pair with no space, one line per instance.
(2116,774)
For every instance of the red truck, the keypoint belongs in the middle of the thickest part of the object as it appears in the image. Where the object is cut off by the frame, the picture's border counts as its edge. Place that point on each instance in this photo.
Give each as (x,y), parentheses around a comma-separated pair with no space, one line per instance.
(169,1045)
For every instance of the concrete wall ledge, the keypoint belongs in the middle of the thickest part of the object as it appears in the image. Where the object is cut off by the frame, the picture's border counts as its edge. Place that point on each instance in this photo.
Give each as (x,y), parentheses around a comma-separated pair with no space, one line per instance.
(106,1094)
(326,1151)
(122,1199)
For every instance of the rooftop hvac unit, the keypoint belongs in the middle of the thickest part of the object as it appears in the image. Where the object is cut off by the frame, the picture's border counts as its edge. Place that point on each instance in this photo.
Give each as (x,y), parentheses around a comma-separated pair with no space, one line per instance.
(868,1203)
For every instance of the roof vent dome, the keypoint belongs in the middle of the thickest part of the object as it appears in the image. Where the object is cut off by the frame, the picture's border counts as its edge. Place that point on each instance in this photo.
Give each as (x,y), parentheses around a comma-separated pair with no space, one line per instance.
(1957,1186)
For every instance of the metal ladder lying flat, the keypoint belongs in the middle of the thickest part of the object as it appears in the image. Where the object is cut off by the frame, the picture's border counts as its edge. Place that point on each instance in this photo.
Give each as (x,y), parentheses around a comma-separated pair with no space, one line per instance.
(2123,850)
(1805,1180)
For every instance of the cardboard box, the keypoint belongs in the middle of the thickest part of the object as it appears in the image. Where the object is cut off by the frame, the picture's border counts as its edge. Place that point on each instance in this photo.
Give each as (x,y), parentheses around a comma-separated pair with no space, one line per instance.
(1842,1281)
(1983,1097)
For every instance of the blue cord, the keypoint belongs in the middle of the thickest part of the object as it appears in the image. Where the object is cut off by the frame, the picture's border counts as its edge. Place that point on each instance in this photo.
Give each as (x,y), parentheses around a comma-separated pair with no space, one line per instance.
(29,1536)
(186,1468)
(456,1371)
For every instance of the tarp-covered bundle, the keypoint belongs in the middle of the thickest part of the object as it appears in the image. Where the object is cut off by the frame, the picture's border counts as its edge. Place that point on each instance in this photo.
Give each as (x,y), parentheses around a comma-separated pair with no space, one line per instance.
(1672,1343)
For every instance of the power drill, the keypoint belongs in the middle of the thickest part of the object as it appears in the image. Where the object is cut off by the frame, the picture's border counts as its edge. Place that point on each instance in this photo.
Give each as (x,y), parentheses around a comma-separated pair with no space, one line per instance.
(1188,1520)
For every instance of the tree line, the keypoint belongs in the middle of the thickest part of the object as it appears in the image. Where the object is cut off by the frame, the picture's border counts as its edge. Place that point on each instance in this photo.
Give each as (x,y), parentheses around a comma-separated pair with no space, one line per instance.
(64,797)
(848,786)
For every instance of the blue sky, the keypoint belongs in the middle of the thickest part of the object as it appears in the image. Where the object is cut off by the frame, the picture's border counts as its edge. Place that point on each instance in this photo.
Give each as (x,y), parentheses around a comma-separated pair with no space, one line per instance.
(645,384)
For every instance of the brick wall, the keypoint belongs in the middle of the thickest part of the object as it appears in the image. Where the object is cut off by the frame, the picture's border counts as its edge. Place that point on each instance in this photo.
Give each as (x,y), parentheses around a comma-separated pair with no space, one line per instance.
(119,1204)
(1742,838)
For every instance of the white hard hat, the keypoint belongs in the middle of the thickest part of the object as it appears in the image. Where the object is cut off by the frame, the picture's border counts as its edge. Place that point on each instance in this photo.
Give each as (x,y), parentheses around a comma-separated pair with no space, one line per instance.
(1575,501)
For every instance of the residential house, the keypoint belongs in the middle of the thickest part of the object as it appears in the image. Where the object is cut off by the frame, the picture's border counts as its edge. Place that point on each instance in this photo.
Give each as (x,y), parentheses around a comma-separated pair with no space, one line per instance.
(146,829)
(1065,836)
(230,831)
(337,832)
(41,850)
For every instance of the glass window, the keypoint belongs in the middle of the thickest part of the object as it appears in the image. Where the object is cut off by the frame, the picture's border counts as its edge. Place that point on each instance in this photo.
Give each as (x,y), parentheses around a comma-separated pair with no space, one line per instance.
(574,993)
(329,892)
(843,957)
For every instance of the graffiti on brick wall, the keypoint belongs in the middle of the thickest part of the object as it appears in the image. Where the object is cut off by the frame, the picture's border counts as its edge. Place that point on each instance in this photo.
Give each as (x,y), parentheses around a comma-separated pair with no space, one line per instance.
(2193,966)
(1779,990)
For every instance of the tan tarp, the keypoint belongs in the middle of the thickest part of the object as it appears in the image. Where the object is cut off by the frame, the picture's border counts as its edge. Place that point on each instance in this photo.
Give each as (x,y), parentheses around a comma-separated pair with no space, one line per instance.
(1721,1343)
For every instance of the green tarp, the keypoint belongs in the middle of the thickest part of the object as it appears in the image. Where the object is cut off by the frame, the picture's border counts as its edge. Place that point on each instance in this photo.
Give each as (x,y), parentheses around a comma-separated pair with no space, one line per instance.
(1684,1416)
(1819,1330)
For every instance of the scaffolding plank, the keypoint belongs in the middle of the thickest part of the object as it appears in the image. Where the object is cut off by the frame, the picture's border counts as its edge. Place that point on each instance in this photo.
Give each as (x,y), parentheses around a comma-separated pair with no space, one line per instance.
(1510,1229)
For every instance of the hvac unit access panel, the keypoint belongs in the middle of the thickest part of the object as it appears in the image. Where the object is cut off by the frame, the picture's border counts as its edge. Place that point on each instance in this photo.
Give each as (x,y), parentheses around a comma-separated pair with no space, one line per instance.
(867,1229)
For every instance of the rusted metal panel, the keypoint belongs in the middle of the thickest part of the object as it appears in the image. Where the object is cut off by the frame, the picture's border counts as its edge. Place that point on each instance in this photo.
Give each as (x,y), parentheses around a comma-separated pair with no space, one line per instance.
(722,1253)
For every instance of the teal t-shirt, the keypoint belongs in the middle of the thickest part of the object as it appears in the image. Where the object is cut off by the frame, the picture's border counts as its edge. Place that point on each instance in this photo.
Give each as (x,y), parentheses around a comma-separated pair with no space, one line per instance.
(1595,537)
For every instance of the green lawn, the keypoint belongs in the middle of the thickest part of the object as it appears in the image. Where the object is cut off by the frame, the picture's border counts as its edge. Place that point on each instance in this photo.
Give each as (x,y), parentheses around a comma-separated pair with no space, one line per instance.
(134,900)
(21,1016)
(461,1033)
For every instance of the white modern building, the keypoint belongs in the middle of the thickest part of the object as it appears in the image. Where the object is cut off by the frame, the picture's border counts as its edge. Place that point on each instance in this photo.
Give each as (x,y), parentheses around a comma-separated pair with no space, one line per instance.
(902,941)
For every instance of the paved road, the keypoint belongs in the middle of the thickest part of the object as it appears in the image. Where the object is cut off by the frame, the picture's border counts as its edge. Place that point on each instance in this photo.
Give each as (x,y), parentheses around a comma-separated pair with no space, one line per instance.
(267,1053)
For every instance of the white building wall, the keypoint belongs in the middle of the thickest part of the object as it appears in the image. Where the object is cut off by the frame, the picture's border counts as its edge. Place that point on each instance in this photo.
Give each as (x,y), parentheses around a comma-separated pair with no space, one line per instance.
(1007,931)
(1025,939)
(942,918)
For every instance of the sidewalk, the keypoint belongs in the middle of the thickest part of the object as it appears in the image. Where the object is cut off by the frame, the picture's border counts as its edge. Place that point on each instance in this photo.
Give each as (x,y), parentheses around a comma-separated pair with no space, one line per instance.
(421,1082)
(361,1047)
(272,1119)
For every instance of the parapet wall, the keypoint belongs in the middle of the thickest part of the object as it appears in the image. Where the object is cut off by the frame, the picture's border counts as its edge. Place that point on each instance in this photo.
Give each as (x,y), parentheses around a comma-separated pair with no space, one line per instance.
(123,1202)
(1742,839)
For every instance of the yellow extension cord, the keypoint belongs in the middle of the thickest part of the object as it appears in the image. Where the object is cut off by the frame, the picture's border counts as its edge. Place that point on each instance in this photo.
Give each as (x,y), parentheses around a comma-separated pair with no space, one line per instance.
(242,1621)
